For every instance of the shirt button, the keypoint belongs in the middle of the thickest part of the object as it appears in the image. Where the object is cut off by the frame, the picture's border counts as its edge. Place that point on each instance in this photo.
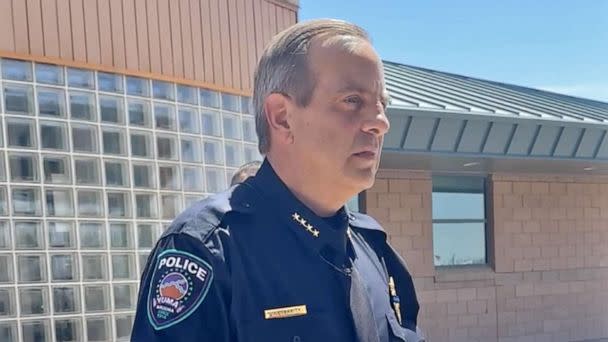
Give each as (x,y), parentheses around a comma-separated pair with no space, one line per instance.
(296,338)
(246,205)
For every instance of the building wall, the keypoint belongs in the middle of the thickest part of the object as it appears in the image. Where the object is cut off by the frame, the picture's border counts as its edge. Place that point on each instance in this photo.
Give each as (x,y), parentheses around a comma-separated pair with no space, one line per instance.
(210,42)
(549,277)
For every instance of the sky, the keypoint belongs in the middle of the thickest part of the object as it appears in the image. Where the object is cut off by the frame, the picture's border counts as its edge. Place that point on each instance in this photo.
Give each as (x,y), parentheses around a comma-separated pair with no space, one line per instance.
(555,45)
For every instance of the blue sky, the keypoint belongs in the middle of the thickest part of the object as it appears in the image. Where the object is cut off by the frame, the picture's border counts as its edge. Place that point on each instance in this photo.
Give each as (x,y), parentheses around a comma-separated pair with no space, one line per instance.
(556,45)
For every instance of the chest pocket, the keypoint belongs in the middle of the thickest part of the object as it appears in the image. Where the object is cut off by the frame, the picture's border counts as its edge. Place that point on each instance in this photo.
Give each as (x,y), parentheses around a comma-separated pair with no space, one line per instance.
(307,328)
(399,333)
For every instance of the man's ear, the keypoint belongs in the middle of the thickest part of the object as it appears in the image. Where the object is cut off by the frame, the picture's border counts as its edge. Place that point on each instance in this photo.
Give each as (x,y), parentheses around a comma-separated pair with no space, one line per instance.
(277,115)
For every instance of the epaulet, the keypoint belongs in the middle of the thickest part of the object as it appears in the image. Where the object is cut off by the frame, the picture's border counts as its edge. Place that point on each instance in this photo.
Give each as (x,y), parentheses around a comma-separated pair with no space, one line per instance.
(204,216)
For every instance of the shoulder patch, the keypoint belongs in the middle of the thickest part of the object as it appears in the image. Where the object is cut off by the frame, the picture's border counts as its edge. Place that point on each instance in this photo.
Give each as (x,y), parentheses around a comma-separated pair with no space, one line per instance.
(179,285)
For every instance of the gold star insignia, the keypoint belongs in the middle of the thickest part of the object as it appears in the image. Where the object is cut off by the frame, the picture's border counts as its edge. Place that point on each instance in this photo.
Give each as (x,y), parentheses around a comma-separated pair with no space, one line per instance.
(309,227)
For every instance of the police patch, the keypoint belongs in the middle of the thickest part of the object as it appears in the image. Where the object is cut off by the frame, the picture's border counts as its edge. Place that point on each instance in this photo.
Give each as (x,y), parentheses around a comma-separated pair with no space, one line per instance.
(179,284)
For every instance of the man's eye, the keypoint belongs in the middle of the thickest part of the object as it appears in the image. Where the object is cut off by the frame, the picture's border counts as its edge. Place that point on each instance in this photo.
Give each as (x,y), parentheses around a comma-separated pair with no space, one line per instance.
(353,100)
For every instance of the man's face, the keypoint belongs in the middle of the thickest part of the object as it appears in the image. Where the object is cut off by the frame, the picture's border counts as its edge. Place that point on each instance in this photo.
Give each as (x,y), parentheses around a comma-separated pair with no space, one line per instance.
(338,135)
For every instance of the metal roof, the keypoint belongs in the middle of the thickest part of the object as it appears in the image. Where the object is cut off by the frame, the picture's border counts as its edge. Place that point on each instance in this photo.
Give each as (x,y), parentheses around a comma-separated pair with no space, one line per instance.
(438,112)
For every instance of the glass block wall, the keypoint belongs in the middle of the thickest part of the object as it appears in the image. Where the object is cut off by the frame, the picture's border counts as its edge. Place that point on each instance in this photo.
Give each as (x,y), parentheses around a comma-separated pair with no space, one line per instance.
(93,166)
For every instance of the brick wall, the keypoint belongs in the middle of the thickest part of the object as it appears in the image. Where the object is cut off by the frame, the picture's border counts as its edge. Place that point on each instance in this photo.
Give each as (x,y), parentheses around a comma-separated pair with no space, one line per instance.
(549,281)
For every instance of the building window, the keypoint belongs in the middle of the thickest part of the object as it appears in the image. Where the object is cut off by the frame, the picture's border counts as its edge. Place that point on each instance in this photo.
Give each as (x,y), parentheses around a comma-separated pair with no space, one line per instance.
(26,201)
(51,102)
(94,267)
(120,235)
(66,299)
(211,123)
(146,235)
(231,102)
(7,305)
(89,203)
(98,328)
(96,299)
(164,116)
(23,167)
(186,94)
(5,235)
(49,74)
(232,126)
(17,70)
(59,202)
(246,105)
(169,177)
(249,133)
(145,205)
(61,235)
(56,169)
(212,151)
(53,136)
(117,173)
(166,147)
(87,171)
(21,133)
(111,109)
(113,142)
(68,329)
(118,204)
(123,266)
(6,268)
(188,120)
(234,154)
(31,268)
(33,301)
(170,206)
(28,235)
(191,150)
(193,178)
(139,113)
(216,179)
(18,99)
(163,90)
(138,86)
(82,106)
(63,267)
(81,78)
(209,98)
(143,176)
(141,144)
(124,325)
(459,221)
(92,235)
(109,82)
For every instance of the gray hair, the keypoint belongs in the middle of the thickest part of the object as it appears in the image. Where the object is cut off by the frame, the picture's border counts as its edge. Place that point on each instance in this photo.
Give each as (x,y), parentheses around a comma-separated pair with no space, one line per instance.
(283,67)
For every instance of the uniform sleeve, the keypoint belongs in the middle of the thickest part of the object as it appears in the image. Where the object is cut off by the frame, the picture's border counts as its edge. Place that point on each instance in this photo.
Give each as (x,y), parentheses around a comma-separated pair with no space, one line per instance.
(181,295)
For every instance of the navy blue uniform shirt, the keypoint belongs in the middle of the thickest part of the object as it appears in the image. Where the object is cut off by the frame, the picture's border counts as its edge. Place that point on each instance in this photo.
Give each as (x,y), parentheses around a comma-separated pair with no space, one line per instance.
(255,264)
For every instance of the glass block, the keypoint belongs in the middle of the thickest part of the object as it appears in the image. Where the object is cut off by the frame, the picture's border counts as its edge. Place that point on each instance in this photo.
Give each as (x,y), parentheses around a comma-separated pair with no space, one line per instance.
(81,78)
(59,202)
(111,109)
(141,144)
(209,98)
(28,235)
(124,326)
(61,235)
(6,269)
(31,268)
(186,94)
(123,266)
(147,233)
(211,123)
(92,235)
(13,69)
(113,141)
(18,99)
(35,331)
(33,301)
(164,116)
(3,205)
(189,121)
(82,106)
(5,235)
(232,126)
(94,267)
(109,82)
(21,133)
(26,201)
(246,105)
(121,235)
(49,74)
(53,136)
(117,173)
(250,153)
(213,151)
(145,205)
(51,102)
(8,331)
(118,204)
(234,154)
(23,167)
(68,330)
(84,139)
(7,303)
(139,113)
(170,206)
(193,178)
(66,299)
(87,171)
(249,133)
(169,177)
(56,169)
(191,150)
(138,86)
(163,90)
(143,176)
(166,147)
(231,102)
(216,179)
(143,261)
(124,295)
(97,298)
(64,267)
(89,203)
(98,328)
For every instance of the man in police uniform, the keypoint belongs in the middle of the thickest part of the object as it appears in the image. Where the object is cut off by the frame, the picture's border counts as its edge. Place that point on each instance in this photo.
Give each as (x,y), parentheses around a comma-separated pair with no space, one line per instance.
(279,257)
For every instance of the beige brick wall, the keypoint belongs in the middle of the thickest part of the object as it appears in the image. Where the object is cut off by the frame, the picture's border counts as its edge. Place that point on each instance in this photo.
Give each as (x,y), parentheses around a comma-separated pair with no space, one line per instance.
(550,278)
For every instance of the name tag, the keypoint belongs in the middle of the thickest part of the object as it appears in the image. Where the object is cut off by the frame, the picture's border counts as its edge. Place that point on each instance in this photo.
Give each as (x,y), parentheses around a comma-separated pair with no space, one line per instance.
(290,311)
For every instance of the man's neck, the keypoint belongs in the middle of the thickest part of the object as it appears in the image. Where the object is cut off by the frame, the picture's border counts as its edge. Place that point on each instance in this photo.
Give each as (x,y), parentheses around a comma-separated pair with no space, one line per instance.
(322,198)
